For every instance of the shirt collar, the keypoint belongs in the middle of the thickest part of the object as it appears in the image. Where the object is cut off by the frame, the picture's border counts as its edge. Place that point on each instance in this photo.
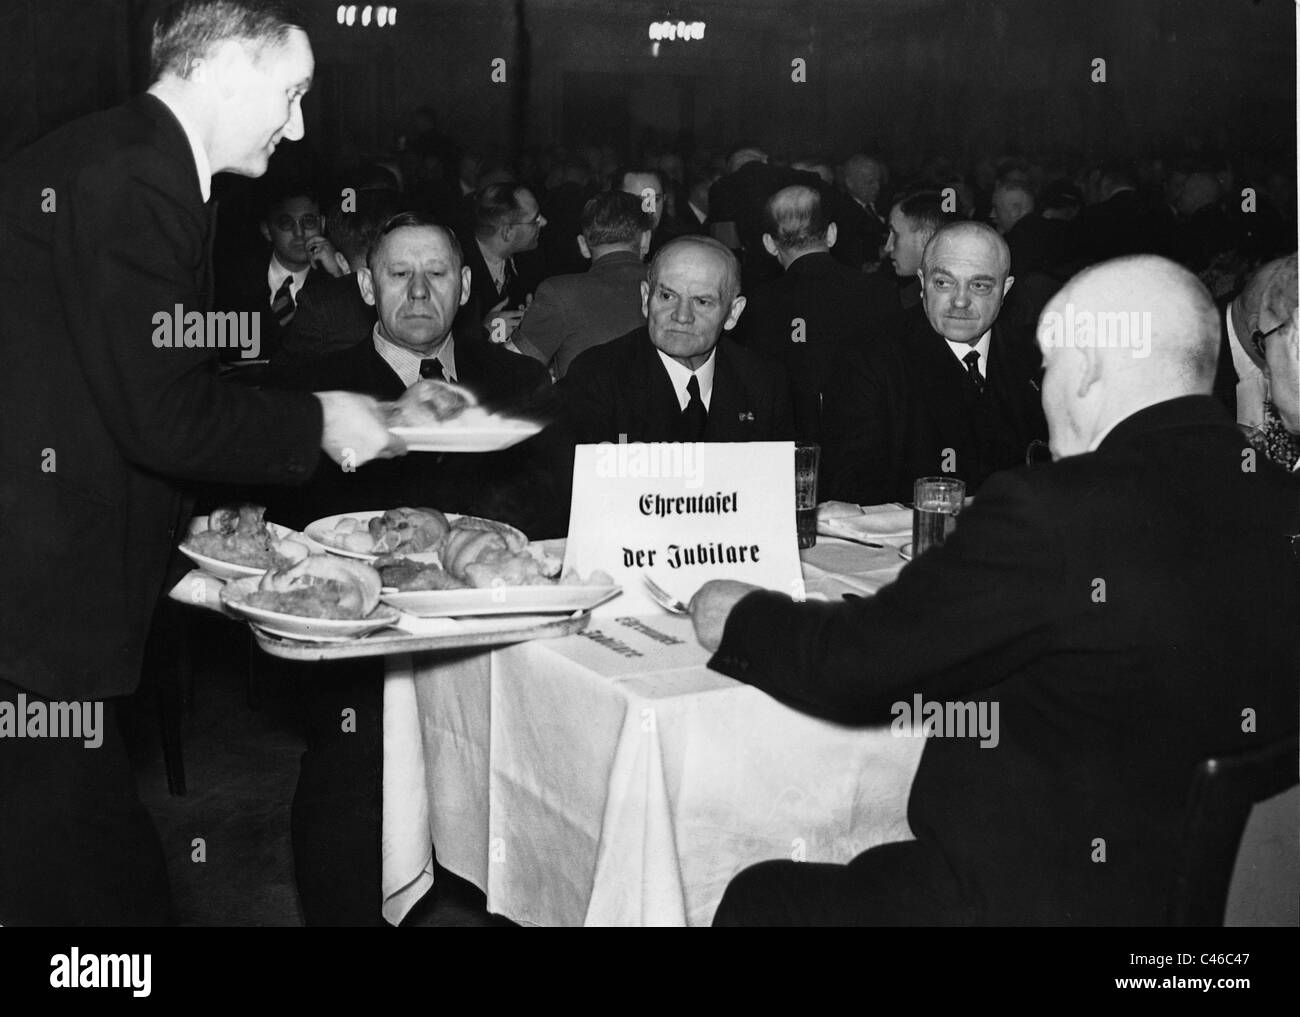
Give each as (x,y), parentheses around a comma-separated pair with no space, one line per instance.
(277,273)
(680,376)
(959,350)
(406,363)
(201,164)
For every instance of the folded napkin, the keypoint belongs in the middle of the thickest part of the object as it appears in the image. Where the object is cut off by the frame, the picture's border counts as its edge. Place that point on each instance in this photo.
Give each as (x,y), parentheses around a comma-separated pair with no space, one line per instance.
(871,521)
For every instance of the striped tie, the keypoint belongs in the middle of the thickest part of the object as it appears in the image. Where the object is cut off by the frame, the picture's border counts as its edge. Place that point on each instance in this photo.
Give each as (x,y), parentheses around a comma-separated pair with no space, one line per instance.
(282,306)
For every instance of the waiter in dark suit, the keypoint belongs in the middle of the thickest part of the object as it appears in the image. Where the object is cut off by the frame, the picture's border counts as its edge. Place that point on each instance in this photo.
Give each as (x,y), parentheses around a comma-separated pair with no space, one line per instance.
(414,278)
(951,393)
(807,318)
(1129,609)
(678,378)
(103,228)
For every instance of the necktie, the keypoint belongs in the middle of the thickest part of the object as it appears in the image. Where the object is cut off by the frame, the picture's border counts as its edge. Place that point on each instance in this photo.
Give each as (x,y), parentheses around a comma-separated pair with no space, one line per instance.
(507,277)
(432,368)
(695,416)
(972,362)
(282,305)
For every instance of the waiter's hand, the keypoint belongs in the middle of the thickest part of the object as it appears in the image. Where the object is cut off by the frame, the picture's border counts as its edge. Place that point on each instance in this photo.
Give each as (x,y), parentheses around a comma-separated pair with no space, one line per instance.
(712,604)
(356,430)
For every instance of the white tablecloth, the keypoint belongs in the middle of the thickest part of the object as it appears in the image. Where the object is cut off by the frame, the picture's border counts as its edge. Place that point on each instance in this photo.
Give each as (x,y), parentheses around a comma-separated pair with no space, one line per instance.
(611,778)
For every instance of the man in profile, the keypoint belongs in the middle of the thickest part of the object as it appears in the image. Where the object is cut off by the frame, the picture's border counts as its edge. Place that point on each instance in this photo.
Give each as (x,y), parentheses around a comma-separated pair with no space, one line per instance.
(103,227)
(1129,608)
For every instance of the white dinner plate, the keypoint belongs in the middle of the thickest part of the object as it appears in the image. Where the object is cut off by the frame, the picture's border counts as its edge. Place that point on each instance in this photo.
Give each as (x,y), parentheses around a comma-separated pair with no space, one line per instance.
(869,525)
(500,600)
(231,570)
(494,434)
(321,532)
(297,627)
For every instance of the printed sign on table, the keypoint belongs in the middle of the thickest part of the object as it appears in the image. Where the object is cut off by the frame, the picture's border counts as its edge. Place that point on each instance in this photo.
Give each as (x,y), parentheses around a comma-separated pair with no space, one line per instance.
(683,514)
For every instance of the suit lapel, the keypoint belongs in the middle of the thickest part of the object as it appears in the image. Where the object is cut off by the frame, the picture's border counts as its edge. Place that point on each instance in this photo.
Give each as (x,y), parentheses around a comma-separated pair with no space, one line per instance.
(655,402)
(731,418)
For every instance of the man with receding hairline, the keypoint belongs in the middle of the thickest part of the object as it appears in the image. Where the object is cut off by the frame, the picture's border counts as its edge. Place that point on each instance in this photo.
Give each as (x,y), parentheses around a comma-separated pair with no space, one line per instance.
(679,378)
(952,392)
(1119,612)
(90,532)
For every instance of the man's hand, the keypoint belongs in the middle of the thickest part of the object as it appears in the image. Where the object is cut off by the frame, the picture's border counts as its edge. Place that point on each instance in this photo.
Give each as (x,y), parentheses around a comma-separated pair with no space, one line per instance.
(1282,355)
(712,604)
(356,430)
(501,324)
(323,254)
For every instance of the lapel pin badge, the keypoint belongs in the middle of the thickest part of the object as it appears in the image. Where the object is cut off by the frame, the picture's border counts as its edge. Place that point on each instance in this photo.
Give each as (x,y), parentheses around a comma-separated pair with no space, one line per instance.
(747,416)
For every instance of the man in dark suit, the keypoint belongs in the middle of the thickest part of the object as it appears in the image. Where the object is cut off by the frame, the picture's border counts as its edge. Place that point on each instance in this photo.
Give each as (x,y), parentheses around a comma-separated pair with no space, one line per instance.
(678,378)
(507,225)
(648,186)
(913,219)
(952,393)
(102,419)
(736,203)
(414,278)
(1112,619)
(807,318)
(273,280)
(1121,221)
(864,227)
(331,314)
(572,313)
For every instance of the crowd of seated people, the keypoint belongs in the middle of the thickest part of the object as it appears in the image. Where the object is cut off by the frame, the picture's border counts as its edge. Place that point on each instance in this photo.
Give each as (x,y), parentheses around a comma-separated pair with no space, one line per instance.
(830,258)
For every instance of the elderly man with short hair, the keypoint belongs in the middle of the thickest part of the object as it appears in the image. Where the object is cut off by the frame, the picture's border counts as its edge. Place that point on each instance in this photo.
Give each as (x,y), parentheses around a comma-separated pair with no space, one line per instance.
(952,393)
(678,378)
(1118,616)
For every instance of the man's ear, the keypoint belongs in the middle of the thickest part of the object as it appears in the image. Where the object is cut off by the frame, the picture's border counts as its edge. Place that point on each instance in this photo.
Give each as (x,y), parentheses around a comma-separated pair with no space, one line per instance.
(832,234)
(737,306)
(1006,286)
(1091,373)
(645,243)
(583,247)
(769,245)
(366,284)
(466,277)
(645,298)
(265,230)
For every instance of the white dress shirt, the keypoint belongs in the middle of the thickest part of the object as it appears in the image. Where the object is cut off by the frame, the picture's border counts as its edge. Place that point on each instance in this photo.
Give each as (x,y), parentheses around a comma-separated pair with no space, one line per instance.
(959,350)
(681,377)
(276,274)
(406,363)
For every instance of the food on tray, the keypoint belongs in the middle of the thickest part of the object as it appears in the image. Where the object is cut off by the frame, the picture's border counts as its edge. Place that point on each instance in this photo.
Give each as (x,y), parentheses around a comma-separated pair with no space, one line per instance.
(408,576)
(429,402)
(402,529)
(320,586)
(238,535)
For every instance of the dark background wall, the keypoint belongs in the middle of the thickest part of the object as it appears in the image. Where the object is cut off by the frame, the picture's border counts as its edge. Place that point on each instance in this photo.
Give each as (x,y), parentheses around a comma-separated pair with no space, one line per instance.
(908,76)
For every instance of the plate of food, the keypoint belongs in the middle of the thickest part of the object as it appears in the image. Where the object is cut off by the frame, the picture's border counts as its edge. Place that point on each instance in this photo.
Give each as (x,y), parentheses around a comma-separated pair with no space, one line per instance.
(235,541)
(320,599)
(487,569)
(433,416)
(373,533)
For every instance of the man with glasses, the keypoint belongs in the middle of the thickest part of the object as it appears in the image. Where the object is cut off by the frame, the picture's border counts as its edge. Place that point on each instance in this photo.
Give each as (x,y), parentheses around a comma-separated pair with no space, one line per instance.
(507,223)
(273,283)
(1245,383)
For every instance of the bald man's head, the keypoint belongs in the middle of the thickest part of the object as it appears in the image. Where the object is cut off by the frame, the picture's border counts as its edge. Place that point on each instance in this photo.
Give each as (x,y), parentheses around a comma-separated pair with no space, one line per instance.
(964,276)
(691,296)
(794,224)
(1121,336)
(1267,300)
